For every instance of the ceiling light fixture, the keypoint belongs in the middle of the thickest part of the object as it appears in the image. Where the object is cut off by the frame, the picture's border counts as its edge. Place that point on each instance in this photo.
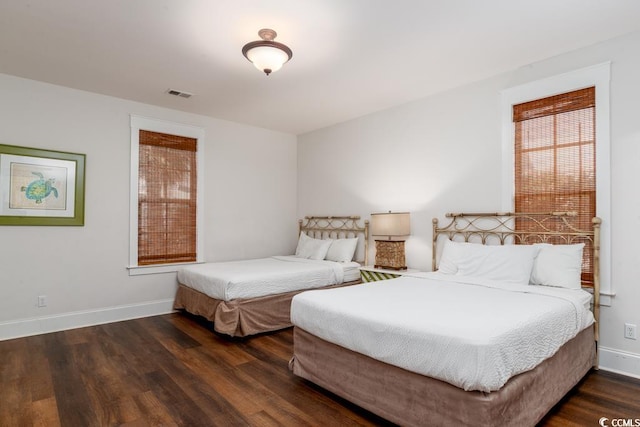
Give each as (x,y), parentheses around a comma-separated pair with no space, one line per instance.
(267,55)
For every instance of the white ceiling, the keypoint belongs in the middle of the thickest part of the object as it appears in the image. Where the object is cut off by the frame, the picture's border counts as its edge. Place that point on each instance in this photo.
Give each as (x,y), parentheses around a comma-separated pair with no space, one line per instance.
(350,57)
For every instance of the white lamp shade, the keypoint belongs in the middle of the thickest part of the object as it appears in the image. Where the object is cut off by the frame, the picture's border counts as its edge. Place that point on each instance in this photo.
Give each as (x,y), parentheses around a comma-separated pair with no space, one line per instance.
(267,58)
(391,225)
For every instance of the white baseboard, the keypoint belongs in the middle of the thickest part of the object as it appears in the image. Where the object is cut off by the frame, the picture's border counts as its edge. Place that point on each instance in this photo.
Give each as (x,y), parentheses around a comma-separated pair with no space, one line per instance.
(79,319)
(619,362)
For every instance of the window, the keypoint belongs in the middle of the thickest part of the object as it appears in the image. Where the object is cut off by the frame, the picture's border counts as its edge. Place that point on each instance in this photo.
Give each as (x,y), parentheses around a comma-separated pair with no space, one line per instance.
(165,187)
(554,156)
(597,77)
(166,198)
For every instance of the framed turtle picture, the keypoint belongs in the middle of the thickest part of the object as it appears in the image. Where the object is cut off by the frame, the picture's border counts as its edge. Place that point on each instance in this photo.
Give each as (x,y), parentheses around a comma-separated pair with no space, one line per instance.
(41,187)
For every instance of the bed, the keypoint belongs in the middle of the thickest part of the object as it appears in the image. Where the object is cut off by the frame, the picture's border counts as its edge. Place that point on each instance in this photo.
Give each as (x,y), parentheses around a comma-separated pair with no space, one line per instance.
(468,344)
(253,296)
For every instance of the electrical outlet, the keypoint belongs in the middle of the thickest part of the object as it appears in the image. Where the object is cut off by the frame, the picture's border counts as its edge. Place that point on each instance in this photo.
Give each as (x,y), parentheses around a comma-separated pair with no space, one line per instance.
(630,331)
(42,301)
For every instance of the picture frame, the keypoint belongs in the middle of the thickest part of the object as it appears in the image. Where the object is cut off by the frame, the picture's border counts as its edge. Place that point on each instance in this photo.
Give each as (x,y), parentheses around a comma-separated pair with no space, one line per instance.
(41,187)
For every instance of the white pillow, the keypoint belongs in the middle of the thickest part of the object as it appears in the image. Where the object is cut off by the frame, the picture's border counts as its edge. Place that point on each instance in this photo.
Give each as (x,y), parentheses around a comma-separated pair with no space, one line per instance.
(558,265)
(311,248)
(451,252)
(505,263)
(342,250)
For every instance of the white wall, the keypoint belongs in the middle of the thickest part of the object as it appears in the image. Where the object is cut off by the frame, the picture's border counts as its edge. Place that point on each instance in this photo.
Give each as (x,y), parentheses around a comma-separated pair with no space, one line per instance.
(250,204)
(443,154)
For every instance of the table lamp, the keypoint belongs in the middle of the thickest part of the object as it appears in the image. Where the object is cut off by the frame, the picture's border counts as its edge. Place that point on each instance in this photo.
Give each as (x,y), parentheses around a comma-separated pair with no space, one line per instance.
(390,230)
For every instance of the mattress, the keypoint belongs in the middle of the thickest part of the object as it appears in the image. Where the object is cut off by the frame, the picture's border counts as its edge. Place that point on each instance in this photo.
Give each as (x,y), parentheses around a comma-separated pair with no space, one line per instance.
(474,334)
(265,276)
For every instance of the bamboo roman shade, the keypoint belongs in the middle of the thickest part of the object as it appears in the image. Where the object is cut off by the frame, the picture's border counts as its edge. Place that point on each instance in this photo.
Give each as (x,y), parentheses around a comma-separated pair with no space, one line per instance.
(166,199)
(555,165)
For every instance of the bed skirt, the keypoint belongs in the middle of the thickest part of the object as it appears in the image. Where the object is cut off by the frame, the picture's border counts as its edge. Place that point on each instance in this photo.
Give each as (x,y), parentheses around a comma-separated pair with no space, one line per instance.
(407,398)
(241,317)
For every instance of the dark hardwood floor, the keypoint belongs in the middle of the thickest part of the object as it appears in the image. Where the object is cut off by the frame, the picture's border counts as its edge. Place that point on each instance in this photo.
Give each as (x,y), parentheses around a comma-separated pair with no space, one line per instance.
(172,370)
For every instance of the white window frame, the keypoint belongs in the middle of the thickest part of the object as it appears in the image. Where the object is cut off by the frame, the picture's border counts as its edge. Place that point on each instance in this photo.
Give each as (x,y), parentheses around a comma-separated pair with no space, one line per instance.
(139,123)
(599,76)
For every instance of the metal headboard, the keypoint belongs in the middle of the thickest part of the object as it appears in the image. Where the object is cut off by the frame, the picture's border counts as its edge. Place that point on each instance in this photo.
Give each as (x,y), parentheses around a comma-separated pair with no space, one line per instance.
(336,227)
(501,228)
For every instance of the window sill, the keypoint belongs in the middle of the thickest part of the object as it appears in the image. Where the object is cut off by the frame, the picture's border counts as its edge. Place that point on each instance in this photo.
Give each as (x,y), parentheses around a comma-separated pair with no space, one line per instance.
(139,270)
(605,297)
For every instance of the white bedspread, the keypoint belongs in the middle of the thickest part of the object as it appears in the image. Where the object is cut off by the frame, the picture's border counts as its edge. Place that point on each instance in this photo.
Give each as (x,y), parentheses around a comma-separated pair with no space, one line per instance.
(259,277)
(472,334)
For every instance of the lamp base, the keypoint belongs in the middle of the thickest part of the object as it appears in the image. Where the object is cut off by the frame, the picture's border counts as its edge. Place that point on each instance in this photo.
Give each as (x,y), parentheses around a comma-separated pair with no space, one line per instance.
(390,255)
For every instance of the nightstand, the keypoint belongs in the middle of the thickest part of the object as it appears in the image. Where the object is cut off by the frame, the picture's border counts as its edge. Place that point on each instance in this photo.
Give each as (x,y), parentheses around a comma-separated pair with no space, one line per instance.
(369,273)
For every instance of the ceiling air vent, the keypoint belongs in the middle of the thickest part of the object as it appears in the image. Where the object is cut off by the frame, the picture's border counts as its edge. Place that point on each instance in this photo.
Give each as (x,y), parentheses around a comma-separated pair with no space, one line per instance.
(179,93)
